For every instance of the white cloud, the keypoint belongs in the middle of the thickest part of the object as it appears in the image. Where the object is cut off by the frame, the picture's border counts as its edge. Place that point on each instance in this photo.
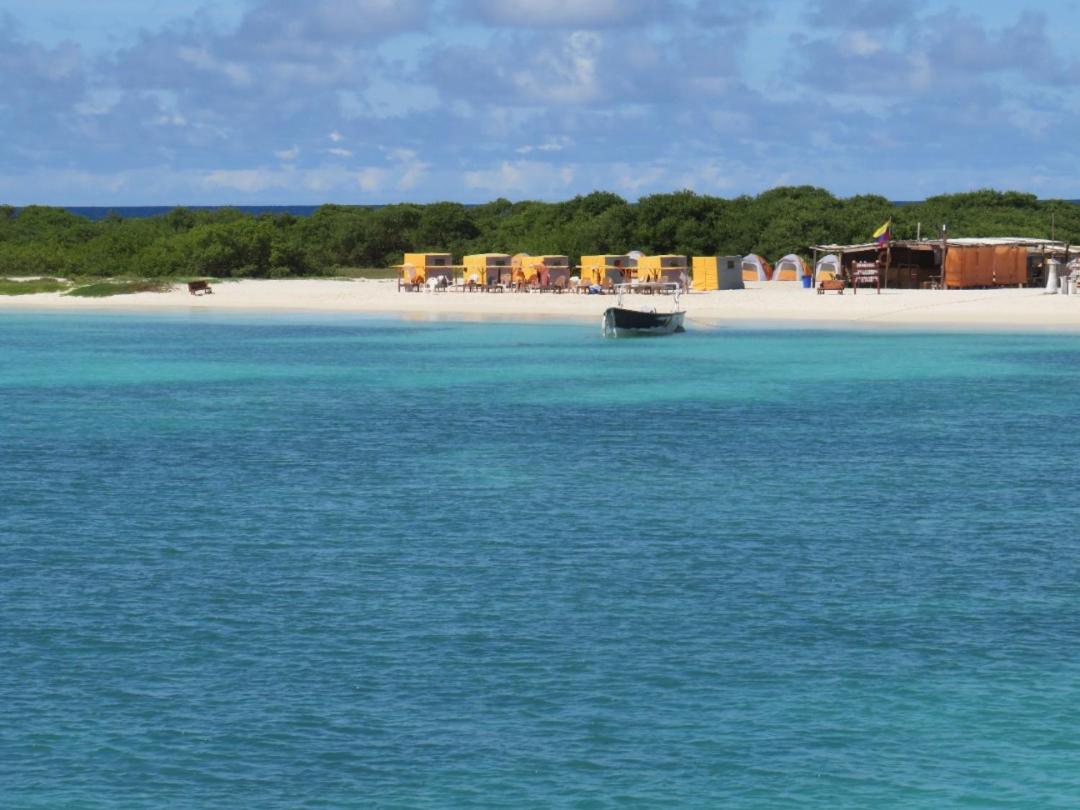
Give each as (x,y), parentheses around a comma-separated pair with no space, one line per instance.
(246,180)
(238,74)
(564,76)
(565,13)
(862,44)
(551,145)
(288,154)
(170,121)
(636,179)
(332,21)
(521,178)
(99,102)
(338,152)
(371,179)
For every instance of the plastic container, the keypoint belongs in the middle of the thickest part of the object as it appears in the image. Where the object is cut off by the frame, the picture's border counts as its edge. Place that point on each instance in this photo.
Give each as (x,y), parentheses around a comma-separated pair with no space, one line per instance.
(807,282)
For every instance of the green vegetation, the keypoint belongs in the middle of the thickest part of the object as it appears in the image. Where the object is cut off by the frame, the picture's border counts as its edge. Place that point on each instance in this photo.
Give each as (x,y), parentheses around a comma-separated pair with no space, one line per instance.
(337,239)
(32,286)
(104,289)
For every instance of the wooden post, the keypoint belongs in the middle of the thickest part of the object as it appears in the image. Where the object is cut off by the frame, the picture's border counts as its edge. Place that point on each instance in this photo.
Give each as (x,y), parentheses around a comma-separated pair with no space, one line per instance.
(888,261)
(944,253)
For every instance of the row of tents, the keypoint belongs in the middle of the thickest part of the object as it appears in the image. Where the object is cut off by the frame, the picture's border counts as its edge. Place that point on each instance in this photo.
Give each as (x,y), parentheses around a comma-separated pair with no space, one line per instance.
(790,268)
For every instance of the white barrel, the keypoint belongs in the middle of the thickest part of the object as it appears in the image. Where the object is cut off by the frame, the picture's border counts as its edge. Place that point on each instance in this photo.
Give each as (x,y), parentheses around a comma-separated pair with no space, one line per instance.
(1052,266)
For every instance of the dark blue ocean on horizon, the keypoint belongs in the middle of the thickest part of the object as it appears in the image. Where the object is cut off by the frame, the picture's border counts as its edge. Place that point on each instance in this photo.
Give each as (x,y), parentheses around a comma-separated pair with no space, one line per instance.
(97,212)
(334,561)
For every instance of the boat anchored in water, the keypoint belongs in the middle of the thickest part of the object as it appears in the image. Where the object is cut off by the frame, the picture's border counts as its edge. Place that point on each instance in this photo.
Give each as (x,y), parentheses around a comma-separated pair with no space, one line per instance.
(619,321)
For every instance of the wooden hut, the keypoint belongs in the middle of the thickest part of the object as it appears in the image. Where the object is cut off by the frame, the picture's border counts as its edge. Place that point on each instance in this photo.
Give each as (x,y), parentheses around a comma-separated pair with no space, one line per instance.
(952,263)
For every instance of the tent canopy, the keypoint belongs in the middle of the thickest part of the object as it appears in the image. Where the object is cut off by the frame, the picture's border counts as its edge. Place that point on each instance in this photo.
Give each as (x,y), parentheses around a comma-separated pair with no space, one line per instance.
(790,268)
(827,268)
(755,268)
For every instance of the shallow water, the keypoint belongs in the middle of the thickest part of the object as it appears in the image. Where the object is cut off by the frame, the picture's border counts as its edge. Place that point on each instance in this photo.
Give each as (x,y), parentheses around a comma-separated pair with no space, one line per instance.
(335,561)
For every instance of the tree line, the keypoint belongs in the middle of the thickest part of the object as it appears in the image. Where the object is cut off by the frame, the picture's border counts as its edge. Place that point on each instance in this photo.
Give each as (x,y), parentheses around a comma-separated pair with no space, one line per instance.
(222,243)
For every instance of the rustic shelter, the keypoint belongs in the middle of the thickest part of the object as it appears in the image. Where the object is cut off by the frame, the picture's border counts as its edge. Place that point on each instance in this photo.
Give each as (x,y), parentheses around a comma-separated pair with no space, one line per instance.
(951,263)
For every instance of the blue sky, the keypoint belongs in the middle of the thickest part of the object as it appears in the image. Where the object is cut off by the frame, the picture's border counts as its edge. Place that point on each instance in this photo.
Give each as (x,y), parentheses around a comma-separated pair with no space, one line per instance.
(370,101)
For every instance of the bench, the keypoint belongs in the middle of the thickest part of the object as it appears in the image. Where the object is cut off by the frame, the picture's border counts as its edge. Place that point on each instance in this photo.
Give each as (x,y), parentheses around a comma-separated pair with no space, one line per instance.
(200,287)
(837,284)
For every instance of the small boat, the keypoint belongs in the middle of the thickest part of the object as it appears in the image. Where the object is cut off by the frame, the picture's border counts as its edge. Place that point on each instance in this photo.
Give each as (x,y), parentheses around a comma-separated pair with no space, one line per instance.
(619,321)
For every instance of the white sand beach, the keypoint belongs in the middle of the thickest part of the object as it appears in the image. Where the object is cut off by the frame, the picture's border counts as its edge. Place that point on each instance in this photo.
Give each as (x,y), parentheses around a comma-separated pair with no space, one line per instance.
(764,304)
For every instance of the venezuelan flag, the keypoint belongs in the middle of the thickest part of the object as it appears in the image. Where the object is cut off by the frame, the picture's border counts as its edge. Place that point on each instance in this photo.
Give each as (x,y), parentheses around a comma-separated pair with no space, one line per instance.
(882,235)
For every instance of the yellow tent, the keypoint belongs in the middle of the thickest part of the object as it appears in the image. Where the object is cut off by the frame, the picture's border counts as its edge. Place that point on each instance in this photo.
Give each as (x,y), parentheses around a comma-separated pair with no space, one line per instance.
(545,270)
(487,269)
(662,268)
(417,268)
(595,269)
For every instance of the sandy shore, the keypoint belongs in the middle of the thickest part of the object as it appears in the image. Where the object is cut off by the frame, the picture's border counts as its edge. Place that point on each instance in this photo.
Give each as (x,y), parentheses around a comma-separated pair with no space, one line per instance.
(764,304)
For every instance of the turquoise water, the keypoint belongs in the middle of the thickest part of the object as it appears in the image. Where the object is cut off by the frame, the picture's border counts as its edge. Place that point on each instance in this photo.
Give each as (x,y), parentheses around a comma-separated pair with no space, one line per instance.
(340,562)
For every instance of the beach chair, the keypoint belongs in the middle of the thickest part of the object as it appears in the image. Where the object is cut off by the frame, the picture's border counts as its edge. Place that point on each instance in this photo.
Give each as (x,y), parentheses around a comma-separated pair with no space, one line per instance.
(412,278)
(443,278)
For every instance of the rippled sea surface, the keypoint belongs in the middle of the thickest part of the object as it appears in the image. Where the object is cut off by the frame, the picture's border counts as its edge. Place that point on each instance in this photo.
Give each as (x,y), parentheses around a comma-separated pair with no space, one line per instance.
(336,562)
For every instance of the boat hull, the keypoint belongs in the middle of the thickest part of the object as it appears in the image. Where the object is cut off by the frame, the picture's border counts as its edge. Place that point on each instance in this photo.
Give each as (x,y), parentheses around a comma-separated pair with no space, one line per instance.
(620,322)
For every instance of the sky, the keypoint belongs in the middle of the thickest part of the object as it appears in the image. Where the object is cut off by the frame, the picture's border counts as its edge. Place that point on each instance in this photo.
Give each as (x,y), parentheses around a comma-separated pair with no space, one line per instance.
(165,102)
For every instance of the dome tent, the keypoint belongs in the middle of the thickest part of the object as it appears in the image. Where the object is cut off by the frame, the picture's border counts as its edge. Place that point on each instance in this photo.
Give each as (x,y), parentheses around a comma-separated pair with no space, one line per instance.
(790,268)
(827,268)
(755,268)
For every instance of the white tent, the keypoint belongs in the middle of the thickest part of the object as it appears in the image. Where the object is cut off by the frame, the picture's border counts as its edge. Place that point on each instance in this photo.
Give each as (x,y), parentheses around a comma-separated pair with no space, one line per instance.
(790,268)
(755,268)
(827,267)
